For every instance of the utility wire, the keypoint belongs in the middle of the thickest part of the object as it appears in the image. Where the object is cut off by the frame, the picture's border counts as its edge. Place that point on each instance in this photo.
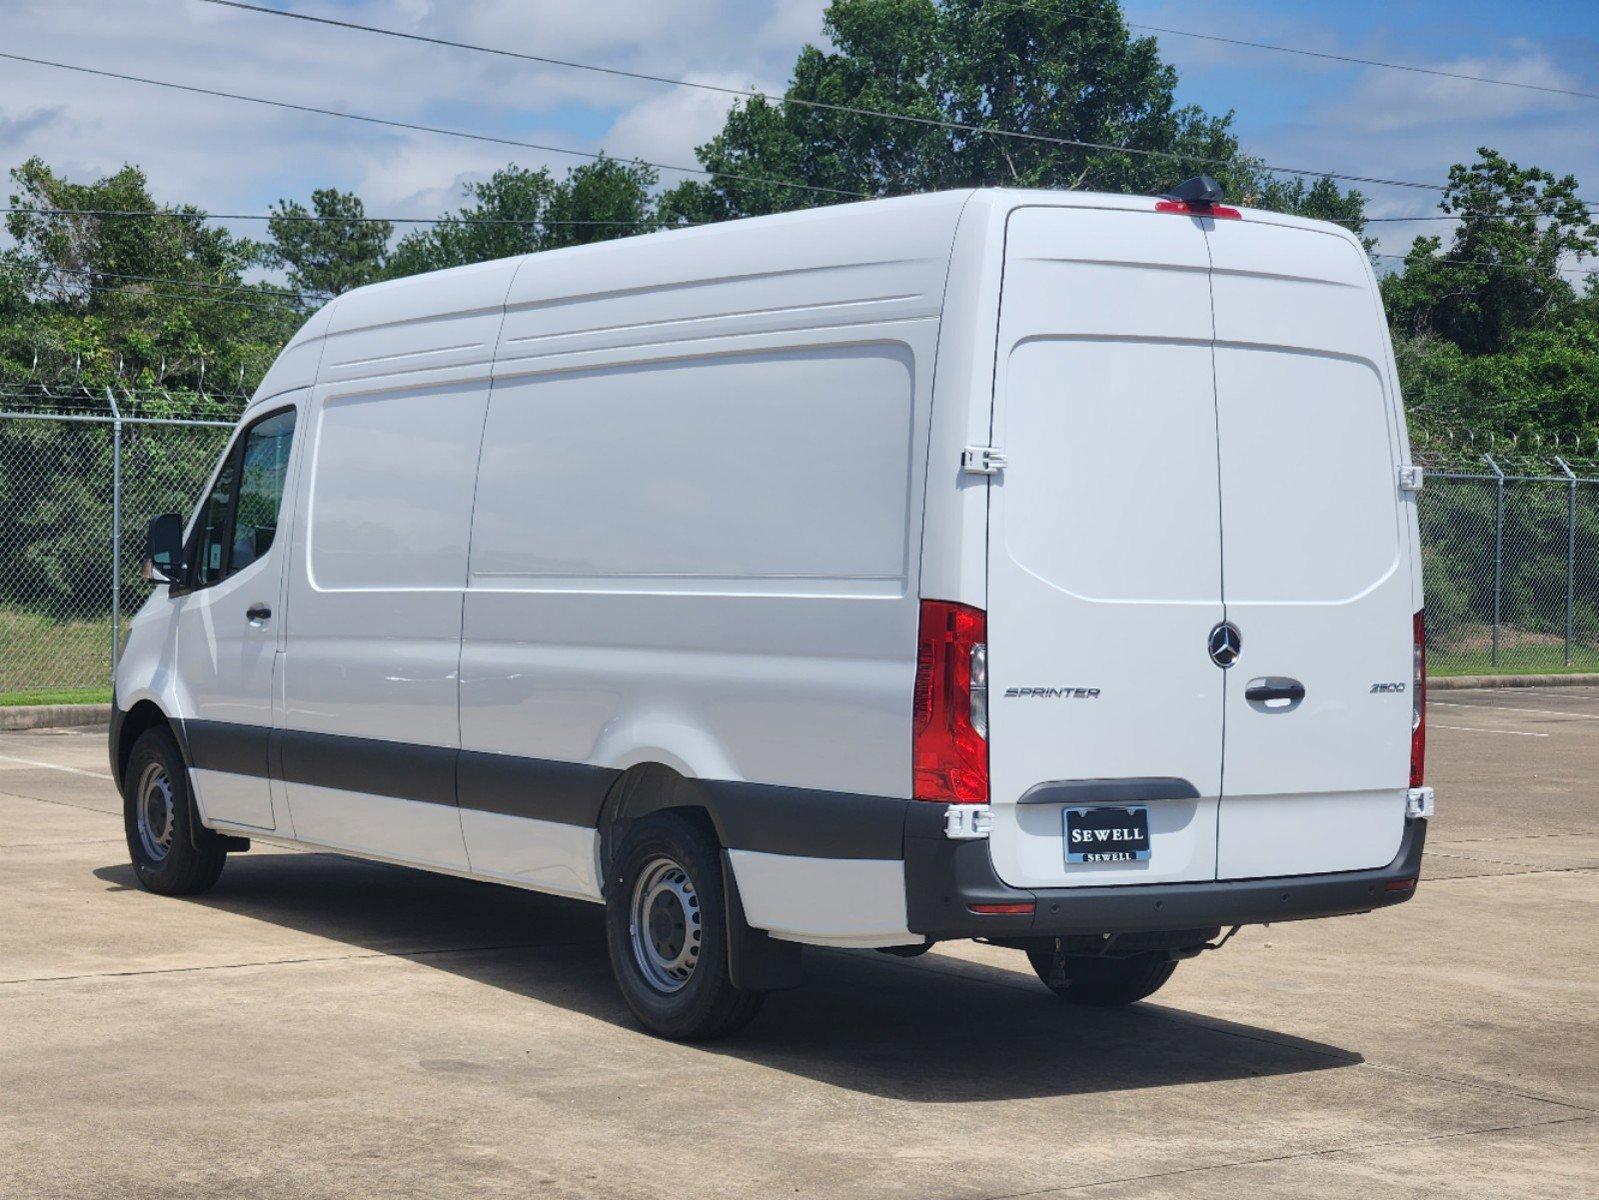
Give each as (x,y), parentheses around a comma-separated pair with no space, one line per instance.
(878,114)
(148,214)
(419,128)
(258,289)
(291,293)
(207,299)
(638,223)
(1412,68)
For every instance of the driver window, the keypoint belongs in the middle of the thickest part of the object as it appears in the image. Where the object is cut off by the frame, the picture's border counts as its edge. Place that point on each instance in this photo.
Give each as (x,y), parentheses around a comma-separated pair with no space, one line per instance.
(240,518)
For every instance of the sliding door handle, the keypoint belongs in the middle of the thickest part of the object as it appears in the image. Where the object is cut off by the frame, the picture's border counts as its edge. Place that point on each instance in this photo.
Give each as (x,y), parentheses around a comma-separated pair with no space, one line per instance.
(258,612)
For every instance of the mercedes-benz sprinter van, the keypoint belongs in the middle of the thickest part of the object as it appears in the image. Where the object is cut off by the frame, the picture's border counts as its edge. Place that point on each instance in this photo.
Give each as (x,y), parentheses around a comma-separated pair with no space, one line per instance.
(1026,566)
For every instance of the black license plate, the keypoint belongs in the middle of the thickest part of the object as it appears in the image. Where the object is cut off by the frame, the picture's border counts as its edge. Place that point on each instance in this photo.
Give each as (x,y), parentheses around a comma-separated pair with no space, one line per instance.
(1101,835)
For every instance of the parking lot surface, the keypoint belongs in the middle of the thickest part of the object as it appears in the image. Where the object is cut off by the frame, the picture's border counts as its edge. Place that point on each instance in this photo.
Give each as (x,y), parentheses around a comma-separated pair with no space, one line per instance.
(318,1026)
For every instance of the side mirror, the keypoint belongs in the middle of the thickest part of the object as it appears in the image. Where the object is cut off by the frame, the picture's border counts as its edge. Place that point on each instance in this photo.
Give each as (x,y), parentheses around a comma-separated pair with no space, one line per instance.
(163,561)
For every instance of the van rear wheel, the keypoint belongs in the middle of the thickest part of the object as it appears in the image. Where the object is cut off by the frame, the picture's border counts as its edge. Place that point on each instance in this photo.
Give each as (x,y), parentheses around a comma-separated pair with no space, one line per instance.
(171,855)
(1101,982)
(666,927)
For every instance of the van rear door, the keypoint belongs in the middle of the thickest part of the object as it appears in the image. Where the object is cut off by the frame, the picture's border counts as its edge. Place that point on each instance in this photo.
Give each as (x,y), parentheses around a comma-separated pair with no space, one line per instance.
(1316,555)
(1105,544)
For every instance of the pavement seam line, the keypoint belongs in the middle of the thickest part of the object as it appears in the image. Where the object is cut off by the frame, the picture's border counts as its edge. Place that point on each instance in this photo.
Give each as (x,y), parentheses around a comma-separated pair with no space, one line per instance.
(292,962)
(1522,837)
(48,766)
(1505,862)
(1275,1158)
(1282,1042)
(1481,1087)
(1541,712)
(1501,874)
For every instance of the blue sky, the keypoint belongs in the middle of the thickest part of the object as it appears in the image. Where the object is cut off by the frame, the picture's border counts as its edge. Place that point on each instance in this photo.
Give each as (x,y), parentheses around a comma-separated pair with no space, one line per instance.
(233,157)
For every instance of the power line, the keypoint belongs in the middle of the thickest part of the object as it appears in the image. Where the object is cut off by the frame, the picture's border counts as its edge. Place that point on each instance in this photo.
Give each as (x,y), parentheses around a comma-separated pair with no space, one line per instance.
(206,299)
(148,214)
(264,292)
(878,114)
(259,289)
(521,222)
(1493,266)
(1351,59)
(291,293)
(419,128)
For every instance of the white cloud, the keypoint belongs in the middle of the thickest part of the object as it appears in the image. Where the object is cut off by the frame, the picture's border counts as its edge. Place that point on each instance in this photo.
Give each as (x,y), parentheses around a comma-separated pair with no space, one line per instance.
(232,156)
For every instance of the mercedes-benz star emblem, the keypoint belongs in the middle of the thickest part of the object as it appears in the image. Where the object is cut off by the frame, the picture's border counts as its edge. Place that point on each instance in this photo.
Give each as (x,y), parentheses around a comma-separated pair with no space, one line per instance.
(1226,644)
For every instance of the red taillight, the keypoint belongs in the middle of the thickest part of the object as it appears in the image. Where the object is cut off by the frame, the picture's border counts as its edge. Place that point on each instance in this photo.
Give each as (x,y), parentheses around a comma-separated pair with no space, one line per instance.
(948,750)
(1418,693)
(1194,208)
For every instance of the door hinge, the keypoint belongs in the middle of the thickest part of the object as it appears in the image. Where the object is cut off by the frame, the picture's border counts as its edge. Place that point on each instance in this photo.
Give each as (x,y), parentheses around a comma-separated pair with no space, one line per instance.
(965,821)
(1419,802)
(1411,479)
(982,460)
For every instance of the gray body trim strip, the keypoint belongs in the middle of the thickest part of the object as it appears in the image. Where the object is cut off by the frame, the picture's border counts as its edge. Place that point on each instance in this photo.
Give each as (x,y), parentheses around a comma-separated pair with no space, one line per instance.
(749,816)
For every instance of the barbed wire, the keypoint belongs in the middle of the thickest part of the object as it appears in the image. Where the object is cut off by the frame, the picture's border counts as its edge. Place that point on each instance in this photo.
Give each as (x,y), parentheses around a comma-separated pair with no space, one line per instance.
(1446,447)
(60,384)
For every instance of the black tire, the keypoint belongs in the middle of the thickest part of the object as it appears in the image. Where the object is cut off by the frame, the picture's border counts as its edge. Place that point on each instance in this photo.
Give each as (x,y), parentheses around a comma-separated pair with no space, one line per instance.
(171,854)
(681,988)
(1101,982)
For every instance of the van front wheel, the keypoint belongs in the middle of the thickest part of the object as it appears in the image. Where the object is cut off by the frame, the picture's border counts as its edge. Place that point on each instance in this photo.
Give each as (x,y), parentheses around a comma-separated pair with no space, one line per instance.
(666,927)
(170,855)
(1101,982)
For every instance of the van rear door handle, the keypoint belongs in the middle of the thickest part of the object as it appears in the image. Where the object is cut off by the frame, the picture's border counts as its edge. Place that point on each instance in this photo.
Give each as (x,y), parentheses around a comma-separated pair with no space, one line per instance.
(1263,691)
(258,612)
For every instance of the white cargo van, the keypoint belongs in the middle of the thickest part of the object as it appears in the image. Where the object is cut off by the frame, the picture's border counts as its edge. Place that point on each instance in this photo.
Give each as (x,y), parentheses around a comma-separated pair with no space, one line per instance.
(1026,566)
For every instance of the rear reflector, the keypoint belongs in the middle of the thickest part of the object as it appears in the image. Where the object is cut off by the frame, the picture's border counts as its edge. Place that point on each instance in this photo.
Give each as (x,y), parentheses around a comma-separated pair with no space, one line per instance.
(949,753)
(1418,699)
(1195,208)
(1024,909)
(1400,885)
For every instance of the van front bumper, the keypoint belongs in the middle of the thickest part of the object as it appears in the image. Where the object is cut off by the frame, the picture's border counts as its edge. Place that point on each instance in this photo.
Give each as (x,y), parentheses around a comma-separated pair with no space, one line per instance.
(946,879)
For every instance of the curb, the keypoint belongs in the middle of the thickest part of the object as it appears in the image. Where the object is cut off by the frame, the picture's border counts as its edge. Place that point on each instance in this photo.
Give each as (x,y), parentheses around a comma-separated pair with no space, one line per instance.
(52,716)
(1450,683)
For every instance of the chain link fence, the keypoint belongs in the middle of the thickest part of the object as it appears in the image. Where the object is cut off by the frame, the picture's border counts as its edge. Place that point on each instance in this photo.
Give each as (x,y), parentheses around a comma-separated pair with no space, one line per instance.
(77,490)
(1512,570)
(1511,559)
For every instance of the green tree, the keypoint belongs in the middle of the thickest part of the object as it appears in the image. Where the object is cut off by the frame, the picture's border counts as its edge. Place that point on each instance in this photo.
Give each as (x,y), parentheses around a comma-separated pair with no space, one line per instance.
(334,247)
(517,211)
(155,303)
(161,293)
(1501,273)
(1069,70)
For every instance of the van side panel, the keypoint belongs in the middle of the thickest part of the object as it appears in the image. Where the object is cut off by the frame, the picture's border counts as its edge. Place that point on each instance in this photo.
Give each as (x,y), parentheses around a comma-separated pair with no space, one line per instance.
(698,522)
(370,726)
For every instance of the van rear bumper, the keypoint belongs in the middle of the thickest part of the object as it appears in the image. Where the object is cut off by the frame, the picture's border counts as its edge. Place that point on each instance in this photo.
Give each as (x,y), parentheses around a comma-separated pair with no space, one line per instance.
(944,879)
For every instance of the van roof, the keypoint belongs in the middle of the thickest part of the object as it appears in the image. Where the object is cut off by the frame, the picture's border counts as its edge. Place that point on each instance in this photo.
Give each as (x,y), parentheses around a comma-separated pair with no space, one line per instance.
(930,214)
(906,229)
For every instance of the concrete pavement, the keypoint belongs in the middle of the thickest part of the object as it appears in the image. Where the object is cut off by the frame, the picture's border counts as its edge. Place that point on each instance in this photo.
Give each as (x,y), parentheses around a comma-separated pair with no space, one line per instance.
(321,1027)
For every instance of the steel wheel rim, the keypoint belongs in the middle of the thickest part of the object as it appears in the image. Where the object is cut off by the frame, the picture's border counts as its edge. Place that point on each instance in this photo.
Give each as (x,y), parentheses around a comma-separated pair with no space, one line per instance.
(157,811)
(664,925)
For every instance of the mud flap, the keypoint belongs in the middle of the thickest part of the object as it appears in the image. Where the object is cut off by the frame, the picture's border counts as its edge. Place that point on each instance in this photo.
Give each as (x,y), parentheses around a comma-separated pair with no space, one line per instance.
(755,959)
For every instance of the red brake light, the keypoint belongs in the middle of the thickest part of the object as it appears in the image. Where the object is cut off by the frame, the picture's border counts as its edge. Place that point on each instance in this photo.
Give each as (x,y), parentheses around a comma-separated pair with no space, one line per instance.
(1193,208)
(1418,691)
(949,752)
